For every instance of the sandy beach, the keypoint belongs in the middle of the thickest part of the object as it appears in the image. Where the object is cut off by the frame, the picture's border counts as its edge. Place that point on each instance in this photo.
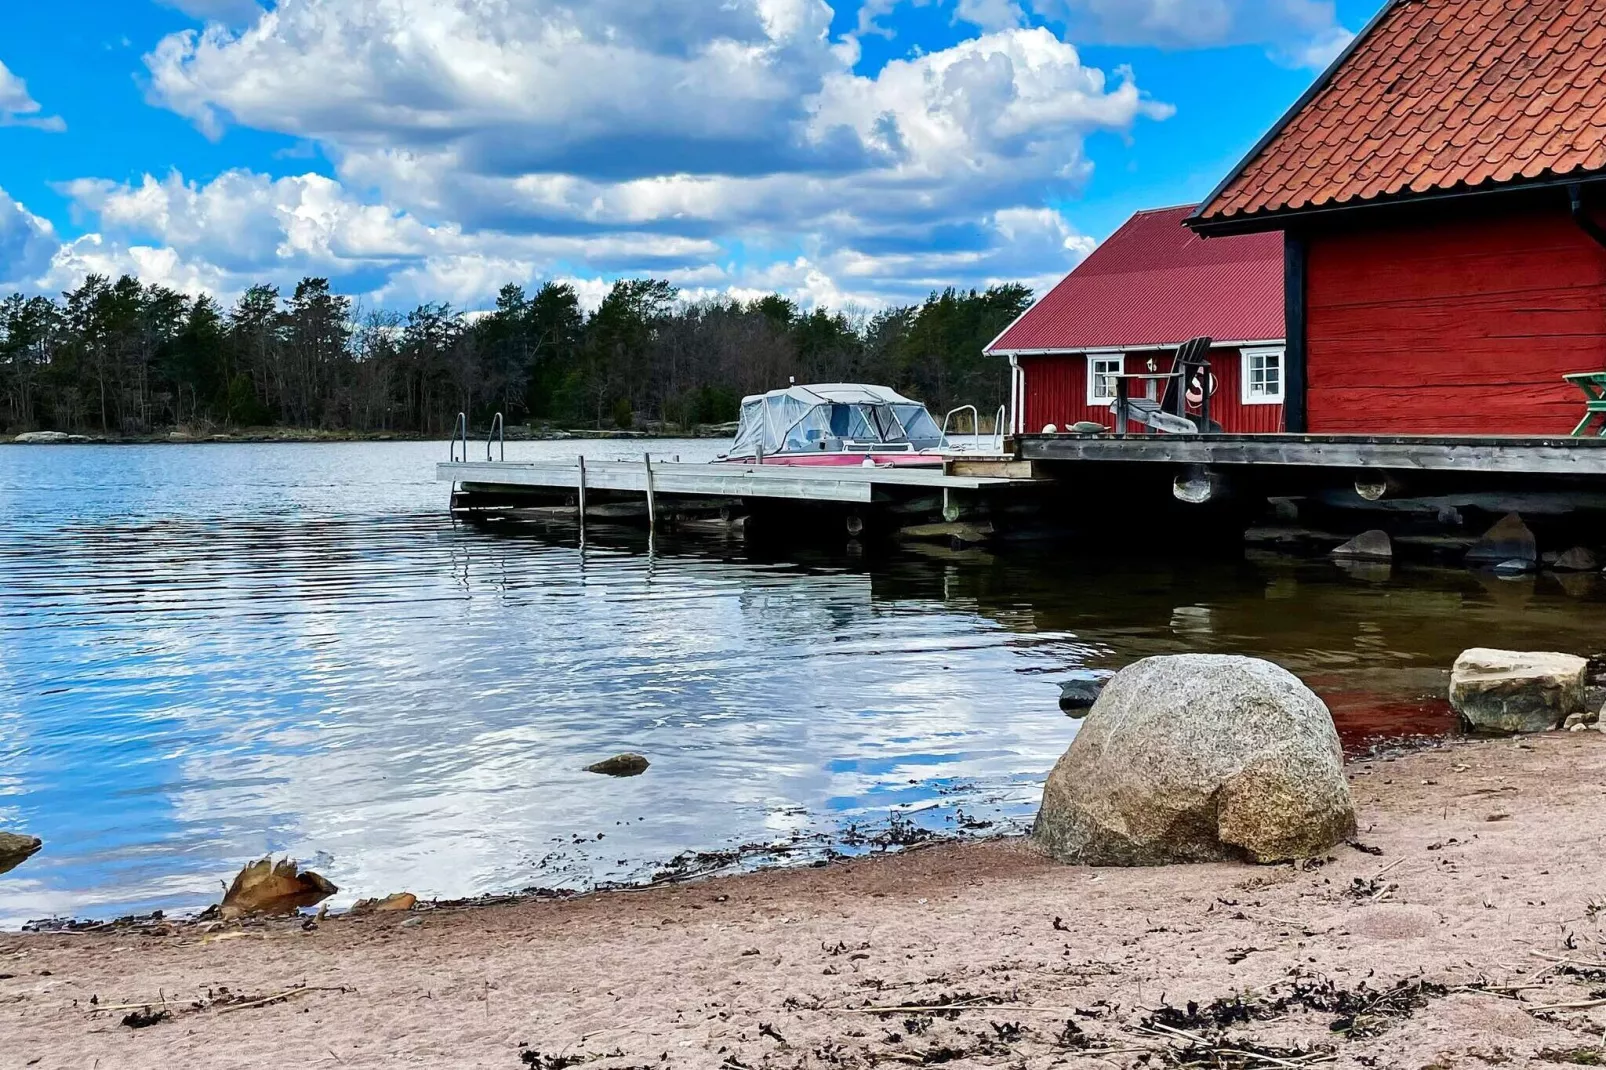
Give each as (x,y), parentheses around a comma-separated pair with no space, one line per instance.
(1470,902)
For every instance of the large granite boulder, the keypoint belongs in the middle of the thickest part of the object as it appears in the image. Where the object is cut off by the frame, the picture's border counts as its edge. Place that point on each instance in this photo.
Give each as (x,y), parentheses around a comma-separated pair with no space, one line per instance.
(1198,757)
(1506,691)
(15,850)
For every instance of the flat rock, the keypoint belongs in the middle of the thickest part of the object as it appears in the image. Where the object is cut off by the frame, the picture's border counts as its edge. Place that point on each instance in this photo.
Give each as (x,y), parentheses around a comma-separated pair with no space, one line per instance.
(41,438)
(1368,545)
(1578,559)
(1194,758)
(1510,691)
(620,765)
(1509,540)
(16,849)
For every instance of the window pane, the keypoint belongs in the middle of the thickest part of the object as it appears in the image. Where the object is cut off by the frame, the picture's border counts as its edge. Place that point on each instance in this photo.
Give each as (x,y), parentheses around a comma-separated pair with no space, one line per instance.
(1102,370)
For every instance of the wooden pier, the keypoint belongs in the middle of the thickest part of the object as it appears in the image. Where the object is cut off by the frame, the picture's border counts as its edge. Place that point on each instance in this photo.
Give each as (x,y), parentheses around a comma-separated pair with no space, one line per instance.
(1480,455)
(1212,486)
(957,500)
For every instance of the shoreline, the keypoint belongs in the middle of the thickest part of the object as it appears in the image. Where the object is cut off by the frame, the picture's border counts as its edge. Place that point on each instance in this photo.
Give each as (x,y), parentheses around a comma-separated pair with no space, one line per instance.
(1484,901)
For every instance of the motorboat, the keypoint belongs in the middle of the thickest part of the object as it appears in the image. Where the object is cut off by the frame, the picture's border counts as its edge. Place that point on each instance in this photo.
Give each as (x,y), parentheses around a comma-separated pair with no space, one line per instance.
(837,424)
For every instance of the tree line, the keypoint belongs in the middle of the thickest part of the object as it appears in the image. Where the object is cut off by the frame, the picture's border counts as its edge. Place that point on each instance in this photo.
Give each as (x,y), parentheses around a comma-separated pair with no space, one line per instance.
(124,357)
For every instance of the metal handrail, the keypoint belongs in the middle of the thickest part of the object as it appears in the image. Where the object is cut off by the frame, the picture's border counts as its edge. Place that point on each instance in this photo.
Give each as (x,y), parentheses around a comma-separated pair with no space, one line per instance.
(498,434)
(998,426)
(460,433)
(975,422)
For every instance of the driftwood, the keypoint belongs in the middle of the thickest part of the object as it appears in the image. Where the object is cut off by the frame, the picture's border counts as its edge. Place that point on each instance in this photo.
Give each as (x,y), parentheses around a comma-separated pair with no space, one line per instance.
(264,887)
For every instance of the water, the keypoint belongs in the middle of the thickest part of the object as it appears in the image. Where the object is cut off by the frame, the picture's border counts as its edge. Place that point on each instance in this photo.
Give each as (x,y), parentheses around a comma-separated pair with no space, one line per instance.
(210,652)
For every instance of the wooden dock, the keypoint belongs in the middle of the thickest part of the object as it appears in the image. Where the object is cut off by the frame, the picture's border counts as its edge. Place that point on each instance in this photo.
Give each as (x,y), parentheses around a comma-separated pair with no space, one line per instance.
(735,481)
(1481,455)
(1213,486)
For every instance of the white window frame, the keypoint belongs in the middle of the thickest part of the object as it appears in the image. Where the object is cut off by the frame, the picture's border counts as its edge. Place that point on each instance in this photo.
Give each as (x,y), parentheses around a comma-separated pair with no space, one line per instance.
(1248,358)
(1094,374)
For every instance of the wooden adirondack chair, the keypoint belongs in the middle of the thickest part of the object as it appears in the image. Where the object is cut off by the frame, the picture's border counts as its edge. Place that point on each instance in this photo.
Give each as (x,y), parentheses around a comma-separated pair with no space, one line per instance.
(1169,414)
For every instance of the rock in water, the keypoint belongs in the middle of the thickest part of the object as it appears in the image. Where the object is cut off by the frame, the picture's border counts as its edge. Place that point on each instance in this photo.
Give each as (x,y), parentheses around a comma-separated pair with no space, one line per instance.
(41,438)
(1510,691)
(1578,559)
(1371,545)
(15,850)
(1508,540)
(621,765)
(1194,758)
(1078,695)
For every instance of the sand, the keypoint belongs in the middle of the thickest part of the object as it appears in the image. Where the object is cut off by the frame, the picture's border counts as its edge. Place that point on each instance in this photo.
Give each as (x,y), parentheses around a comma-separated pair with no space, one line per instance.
(1490,876)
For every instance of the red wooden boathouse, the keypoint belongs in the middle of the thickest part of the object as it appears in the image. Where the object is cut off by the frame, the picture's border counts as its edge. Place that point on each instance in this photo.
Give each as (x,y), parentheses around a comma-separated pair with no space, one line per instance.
(1150,287)
(1441,189)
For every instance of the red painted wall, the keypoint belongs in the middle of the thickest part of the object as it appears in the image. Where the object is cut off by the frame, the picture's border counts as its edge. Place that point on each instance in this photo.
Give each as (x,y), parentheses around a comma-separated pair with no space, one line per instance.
(1056,393)
(1461,325)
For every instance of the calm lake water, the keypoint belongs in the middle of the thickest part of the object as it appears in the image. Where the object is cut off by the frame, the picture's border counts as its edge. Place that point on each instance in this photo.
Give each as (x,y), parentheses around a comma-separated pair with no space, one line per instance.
(210,652)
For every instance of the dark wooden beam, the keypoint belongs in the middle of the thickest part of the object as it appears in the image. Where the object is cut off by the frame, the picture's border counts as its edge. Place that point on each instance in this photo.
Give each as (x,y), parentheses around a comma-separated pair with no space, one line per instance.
(1422,453)
(1295,261)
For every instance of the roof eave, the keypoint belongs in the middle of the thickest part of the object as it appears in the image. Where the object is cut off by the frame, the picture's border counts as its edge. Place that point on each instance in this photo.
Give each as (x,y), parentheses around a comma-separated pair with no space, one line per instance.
(1322,82)
(1136,347)
(1290,219)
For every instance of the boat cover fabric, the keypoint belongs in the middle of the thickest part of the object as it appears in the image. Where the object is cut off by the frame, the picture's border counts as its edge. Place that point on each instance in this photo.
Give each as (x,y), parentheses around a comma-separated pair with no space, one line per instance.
(807,418)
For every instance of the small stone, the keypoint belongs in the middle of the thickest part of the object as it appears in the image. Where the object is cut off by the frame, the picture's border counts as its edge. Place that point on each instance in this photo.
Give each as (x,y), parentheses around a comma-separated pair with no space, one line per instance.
(620,765)
(15,850)
(1372,545)
(1508,691)
(1578,559)
(398,902)
(1079,695)
(411,923)
(1508,540)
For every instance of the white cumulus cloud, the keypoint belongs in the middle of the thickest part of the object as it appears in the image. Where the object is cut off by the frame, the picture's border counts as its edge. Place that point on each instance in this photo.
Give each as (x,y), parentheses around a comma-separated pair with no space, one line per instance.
(27,244)
(724,146)
(18,108)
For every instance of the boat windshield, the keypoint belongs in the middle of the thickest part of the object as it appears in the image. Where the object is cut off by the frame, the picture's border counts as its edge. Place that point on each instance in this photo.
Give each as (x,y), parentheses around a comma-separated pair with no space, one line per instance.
(833,419)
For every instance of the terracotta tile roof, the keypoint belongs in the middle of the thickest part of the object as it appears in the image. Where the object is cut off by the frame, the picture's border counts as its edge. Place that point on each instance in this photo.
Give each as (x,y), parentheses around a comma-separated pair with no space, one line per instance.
(1438,95)
(1156,283)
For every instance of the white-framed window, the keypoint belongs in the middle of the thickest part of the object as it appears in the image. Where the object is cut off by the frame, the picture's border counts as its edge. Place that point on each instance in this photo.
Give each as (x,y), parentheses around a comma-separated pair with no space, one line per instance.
(1100,385)
(1264,375)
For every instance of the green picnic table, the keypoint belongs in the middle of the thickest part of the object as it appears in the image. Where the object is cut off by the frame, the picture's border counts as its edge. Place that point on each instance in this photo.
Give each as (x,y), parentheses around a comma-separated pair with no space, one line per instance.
(1593,384)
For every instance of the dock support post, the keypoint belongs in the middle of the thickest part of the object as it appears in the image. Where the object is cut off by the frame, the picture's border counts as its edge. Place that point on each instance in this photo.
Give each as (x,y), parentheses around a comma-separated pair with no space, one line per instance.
(652,510)
(582,496)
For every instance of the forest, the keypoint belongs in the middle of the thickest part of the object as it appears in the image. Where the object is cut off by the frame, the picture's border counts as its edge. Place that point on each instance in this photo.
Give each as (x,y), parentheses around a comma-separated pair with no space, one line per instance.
(123,358)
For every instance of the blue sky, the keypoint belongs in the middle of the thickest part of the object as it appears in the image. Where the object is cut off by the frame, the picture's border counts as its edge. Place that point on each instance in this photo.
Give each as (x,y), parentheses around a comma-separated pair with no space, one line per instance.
(856,152)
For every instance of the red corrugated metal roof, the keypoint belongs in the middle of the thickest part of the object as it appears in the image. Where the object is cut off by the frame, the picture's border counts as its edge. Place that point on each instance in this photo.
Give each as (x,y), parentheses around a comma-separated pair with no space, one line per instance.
(1439,95)
(1156,283)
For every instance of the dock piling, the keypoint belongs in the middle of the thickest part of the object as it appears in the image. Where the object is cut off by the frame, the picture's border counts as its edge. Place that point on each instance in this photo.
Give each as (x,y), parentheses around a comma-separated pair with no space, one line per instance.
(652,509)
(582,495)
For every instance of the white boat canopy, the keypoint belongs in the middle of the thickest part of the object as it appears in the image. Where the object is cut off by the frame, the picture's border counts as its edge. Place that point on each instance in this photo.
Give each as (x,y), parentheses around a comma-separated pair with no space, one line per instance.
(833,417)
